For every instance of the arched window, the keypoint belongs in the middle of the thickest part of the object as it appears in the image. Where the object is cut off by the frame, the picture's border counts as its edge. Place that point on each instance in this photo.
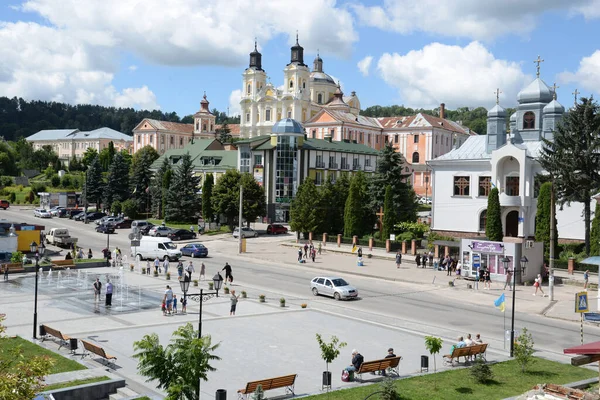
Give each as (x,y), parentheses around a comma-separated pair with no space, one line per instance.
(249,90)
(320,98)
(482,220)
(415,157)
(291,84)
(303,85)
(529,120)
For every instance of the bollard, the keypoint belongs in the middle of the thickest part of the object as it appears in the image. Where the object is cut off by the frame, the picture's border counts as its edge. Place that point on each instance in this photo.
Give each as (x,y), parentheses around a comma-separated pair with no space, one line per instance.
(425,363)
(221,394)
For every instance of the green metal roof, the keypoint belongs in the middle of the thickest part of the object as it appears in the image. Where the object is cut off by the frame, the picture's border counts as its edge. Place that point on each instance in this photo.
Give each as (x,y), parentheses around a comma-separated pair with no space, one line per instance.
(252,140)
(227,159)
(343,147)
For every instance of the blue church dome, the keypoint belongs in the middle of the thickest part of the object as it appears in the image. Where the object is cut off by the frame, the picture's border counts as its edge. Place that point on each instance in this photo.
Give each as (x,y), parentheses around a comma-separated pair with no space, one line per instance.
(536,92)
(288,125)
(554,107)
(497,111)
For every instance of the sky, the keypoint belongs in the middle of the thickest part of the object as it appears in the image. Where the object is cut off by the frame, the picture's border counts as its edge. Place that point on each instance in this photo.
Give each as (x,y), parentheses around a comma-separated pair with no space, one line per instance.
(164,54)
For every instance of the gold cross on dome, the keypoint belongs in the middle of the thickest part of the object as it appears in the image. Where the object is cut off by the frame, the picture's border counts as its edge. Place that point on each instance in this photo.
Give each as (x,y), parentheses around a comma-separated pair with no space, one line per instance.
(497,95)
(538,61)
(554,87)
(575,93)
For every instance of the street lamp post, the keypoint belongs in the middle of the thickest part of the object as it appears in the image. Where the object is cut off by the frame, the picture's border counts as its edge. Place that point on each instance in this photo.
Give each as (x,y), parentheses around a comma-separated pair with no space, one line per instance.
(33,247)
(505,261)
(107,248)
(205,296)
(185,285)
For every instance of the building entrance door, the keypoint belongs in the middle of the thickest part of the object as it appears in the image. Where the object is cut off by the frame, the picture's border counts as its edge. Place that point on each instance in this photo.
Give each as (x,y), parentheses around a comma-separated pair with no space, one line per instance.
(512,224)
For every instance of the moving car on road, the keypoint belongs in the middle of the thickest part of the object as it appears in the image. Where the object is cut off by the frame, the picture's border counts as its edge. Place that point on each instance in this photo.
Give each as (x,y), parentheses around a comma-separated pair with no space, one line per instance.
(275,229)
(246,232)
(93,216)
(142,225)
(74,213)
(194,250)
(159,231)
(41,213)
(60,237)
(181,234)
(333,286)
(55,210)
(4,204)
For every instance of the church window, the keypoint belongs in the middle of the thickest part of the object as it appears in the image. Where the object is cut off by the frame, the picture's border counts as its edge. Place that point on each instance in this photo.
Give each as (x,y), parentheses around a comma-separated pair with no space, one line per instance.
(529,120)
(320,98)
(247,117)
(485,184)
(197,125)
(416,139)
(211,127)
(291,84)
(303,85)
(151,138)
(289,115)
(461,185)
(512,186)
(332,132)
(361,137)
(446,141)
(436,140)
(268,114)
(249,89)
(482,221)
(162,139)
(415,157)
(377,139)
(396,137)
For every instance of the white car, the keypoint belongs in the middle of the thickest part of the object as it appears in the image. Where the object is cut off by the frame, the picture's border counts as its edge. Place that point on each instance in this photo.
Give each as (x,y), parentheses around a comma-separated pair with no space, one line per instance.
(424,200)
(246,232)
(41,213)
(333,286)
(159,231)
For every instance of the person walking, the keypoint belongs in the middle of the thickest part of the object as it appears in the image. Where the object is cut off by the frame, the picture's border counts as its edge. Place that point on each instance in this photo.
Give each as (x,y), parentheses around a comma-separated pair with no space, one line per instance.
(234,300)
(305,250)
(319,248)
(148,267)
(202,271)
(509,275)
(180,270)
(168,299)
(227,269)
(166,265)
(313,254)
(90,254)
(586,278)
(109,293)
(418,260)
(190,270)
(174,304)
(359,252)
(538,285)
(156,265)
(97,289)
(5,272)
(300,254)
(398,259)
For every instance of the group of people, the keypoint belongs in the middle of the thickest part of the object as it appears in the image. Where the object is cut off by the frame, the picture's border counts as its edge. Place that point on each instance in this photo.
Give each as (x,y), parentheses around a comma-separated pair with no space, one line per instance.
(97,286)
(169,303)
(310,251)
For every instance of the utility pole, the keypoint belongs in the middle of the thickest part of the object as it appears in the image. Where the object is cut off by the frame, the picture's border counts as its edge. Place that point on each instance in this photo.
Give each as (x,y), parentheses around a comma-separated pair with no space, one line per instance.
(552,233)
(240,220)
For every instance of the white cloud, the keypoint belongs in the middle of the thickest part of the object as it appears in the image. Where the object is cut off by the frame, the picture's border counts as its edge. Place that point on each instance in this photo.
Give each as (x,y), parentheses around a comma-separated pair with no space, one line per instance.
(482,20)
(588,74)
(364,65)
(457,76)
(234,102)
(132,68)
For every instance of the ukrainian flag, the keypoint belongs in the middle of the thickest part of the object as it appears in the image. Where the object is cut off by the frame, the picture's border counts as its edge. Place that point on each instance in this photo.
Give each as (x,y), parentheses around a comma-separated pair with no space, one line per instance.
(500,303)
(354,248)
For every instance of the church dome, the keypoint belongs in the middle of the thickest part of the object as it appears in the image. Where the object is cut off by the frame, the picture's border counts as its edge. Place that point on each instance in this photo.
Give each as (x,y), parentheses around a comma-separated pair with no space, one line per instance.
(287,125)
(536,92)
(321,77)
(554,107)
(497,111)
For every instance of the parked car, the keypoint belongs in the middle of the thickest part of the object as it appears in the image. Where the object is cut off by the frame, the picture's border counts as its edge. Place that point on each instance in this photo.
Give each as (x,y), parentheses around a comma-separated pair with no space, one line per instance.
(123,223)
(54,210)
(194,250)
(94,216)
(4,204)
(74,212)
(333,286)
(60,237)
(159,231)
(143,226)
(41,213)
(80,216)
(275,229)
(63,213)
(246,232)
(424,200)
(105,219)
(105,228)
(181,234)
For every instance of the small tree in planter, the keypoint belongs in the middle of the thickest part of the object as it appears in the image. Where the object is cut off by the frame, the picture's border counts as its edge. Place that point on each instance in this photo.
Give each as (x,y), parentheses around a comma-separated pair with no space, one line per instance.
(156,274)
(282,302)
(259,394)
(262,298)
(523,349)
(329,352)
(195,282)
(168,276)
(226,290)
(303,305)
(433,345)
(244,294)
(211,285)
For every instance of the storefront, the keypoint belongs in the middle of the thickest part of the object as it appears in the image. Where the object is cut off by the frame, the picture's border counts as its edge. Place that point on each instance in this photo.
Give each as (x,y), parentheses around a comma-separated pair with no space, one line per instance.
(477,255)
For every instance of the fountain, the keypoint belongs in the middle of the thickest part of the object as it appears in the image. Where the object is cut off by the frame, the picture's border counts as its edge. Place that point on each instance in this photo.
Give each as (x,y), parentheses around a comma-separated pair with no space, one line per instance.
(58,279)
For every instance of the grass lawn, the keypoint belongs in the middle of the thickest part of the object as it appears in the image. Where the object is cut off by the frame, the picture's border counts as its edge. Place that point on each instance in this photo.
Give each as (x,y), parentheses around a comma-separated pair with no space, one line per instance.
(75,383)
(61,364)
(224,229)
(508,380)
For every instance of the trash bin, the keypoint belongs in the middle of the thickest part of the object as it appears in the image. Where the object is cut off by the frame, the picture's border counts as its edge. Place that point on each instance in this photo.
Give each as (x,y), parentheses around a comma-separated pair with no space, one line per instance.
(425,363)
(221,394)
(42,330)
(73,344)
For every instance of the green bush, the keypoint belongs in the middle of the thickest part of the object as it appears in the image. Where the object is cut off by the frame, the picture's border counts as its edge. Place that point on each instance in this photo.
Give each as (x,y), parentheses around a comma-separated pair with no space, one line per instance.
(31,197)
(48,172)
(12,197)
(37,187)
(416,229)
(55,180)
(388,390)
(67,181)
(116,207)
(16,257)
(408,236)
(7,181)
(481,371)
(523,349)
(129,208)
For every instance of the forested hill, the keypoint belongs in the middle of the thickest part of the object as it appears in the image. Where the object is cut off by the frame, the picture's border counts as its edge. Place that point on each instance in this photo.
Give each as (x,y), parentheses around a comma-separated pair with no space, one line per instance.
(20,118)
(473,118)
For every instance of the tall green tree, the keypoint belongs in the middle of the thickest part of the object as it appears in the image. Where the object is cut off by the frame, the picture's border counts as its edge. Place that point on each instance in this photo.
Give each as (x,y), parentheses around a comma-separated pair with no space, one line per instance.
(358,216)
(179,366)
(327,207)
(304,210)
(390,171)
(493,226)
(117,182)
(573,158)
(254,201)
(542,220)
(389,214)
(75,165)
(141,176)
(595,233)
(341,190)
(207,192)
(226,195)
(106,156)
(88,156)
(94,185)
(159,187)
(183,200)
(224,133)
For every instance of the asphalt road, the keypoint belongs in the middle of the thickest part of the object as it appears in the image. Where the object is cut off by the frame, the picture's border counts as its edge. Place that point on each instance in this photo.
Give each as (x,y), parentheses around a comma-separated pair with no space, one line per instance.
(418,308)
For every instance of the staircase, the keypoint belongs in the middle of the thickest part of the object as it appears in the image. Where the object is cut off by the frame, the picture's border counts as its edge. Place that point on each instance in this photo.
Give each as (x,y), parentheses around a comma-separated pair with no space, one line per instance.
(124,393)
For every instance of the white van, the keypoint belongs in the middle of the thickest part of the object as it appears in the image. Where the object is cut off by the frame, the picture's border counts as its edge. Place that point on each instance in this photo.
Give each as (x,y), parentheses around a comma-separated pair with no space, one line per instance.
(152,247)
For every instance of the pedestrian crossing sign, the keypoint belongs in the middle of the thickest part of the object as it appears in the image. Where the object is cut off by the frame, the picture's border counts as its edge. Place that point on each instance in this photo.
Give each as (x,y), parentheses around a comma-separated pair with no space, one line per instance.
(581,302)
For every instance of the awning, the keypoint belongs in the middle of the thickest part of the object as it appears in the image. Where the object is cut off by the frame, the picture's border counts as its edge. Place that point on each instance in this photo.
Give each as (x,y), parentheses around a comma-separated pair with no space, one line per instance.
(595,260)
(588,348)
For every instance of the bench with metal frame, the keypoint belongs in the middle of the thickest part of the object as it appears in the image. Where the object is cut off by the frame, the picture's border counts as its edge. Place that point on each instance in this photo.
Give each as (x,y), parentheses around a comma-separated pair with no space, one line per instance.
(383,364)
(286,381)
(99,351)
(13,267)
(468,352)
(47,331)
(62,264)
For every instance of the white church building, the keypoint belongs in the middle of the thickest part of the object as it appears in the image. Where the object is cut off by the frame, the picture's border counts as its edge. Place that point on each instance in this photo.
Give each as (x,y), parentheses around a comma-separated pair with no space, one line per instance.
(463,177)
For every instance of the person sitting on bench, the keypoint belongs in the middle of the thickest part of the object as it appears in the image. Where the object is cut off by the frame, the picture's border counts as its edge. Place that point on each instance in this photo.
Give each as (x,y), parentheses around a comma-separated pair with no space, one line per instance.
(390,354)
(357,360)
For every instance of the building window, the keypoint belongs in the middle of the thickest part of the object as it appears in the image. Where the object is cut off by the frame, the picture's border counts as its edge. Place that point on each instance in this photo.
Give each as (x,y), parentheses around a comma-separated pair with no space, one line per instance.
(151,139)
(344,165)
(314,133)
(485,184)
(512,186)
(139,138)
(162,139)
(181,141)
(319,178)
(415,157)
(203,127)
(529,120)
(289,114)
(377,139)
(247,117)
(291,84)
(396,137)
(482,220)
(249,89)
(320,98)
(332,133)
(172,140)
(436,140)
(244,161)
(461,185)
(446,141)
(416,139)
(257,159)
(268,114)
(367,162)
(332,163)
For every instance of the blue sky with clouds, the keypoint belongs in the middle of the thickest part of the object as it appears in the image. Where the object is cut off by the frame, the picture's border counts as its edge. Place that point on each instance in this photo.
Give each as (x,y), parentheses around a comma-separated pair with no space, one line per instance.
(166,53)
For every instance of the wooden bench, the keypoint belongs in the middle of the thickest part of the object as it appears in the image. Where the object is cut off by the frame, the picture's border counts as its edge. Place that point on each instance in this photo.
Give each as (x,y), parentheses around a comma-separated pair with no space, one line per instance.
(99,351)
(64,339)
(467,352)
(14,267)
(62,264)
(286,382)
(380,365)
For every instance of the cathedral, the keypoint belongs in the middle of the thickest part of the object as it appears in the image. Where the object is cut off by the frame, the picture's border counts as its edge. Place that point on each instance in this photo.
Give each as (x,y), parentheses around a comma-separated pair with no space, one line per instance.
(303,93)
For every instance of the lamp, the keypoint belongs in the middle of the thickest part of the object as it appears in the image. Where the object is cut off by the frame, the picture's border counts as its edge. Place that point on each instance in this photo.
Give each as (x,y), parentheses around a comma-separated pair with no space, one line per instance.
(523,262)
(34,247)
(218,282)
(203,296)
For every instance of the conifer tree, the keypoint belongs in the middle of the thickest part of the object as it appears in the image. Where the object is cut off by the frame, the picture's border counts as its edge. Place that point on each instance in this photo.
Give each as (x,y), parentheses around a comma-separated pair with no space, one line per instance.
(304,208)
(595,233)
(493,227)
(341,190)
(542,220)
(141,176)
(358,217)
(159,187)
(389,215)
(117,184)
(207,192)
(182,197)
(94,190)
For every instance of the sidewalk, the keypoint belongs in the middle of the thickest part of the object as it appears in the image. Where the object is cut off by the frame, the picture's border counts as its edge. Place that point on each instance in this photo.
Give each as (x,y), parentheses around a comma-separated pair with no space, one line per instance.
(341,260)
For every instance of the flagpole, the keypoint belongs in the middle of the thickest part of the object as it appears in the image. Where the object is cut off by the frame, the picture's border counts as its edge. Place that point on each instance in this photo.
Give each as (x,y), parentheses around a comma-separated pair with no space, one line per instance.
(504,331)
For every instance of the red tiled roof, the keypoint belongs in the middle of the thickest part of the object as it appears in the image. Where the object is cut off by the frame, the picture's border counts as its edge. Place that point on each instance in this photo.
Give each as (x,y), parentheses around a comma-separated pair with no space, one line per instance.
(170,126)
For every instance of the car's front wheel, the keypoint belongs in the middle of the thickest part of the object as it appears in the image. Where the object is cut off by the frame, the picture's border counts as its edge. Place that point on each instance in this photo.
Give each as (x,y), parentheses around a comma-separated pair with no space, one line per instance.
(193,254)
(337,296)
(315,291)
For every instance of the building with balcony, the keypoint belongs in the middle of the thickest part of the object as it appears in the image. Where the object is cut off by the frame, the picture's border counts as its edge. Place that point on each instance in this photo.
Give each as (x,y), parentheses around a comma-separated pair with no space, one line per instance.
(463,177)
(282,160)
